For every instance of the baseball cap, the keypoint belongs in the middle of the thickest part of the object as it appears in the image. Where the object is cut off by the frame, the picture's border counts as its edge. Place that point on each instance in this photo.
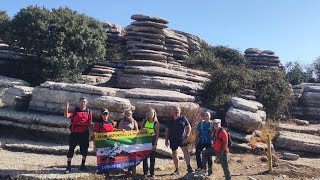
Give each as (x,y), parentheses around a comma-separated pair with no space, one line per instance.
(105,111)
(217,121)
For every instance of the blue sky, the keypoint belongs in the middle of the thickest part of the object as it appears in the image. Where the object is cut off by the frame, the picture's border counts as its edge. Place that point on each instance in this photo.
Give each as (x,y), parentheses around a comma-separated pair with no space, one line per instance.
(291,28)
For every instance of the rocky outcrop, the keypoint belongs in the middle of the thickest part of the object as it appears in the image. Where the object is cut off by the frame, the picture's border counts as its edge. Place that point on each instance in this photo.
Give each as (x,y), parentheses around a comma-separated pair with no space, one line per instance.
(6,83)
(306,102)
(298,142)
(50,97)
(145,38)
(17,97)
(262,59)
(245,115)
(176,44)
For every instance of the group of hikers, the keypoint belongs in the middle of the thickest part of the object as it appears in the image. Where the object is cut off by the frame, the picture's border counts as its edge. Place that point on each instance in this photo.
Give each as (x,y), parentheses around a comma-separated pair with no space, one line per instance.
(210,136)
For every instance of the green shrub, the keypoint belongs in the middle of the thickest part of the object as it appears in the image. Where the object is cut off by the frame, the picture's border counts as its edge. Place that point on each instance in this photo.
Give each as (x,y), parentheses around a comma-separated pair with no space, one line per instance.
(225,83)
(210,57)
(296,75)
(65,41)
(273,91)
(228,56)
(117,52)
(4,25)
(316,68)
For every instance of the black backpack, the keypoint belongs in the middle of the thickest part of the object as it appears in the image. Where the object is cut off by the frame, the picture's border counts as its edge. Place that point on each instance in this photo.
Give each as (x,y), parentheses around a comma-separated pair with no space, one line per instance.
(229,137)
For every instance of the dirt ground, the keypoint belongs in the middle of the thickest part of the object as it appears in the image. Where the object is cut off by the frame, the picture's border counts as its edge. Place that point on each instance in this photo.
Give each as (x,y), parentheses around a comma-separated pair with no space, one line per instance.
(242,166)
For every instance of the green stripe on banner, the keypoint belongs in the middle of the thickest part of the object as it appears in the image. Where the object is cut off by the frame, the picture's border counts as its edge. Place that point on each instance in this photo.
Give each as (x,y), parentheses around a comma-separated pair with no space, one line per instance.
(123,141)
(114,151)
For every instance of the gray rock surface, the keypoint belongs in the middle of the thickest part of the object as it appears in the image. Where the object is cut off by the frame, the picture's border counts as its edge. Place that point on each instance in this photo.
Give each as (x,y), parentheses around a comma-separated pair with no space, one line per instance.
(141,17)
(290,156)
(298,142)
(243,120)
(243,104)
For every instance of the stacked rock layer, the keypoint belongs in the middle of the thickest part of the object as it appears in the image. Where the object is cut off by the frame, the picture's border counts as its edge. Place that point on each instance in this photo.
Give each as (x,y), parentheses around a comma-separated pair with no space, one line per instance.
(245,115)
(145,38)
(262,59)
(306,104)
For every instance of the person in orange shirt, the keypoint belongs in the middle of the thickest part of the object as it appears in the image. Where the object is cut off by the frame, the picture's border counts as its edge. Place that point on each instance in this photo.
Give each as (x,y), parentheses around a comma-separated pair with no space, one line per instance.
(219,148)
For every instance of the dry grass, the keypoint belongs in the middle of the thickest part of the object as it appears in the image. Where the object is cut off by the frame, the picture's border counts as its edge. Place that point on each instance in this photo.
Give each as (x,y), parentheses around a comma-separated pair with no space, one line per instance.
(269,128)
(194,117)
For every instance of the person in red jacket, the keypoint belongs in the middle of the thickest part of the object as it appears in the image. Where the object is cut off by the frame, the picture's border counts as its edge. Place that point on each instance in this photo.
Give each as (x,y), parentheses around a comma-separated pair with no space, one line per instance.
(81,119)
(219,148)
(105,124)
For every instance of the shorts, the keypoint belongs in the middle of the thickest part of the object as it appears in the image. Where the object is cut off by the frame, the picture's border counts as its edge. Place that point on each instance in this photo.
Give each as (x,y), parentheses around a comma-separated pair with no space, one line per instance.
(176,143)
(81,139)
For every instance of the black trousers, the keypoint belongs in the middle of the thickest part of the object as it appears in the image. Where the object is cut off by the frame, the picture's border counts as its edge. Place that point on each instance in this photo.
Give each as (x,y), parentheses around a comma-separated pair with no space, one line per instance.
(81,139)
(152,157)
(199,149)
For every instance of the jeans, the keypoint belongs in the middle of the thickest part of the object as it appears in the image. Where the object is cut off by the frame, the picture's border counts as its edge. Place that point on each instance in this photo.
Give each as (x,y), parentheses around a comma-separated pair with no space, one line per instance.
(199,149)
(152,161)
(223,160)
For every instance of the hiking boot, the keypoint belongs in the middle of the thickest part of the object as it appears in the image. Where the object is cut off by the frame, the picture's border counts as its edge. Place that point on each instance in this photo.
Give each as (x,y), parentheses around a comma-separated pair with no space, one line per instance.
(68,170)
(209,171)
(152,176)
(83,167)
(176,172)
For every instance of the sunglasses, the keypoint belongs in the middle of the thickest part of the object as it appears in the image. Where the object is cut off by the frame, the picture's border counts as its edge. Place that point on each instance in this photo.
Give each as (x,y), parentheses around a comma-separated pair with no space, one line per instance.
(128,113)
(105,114)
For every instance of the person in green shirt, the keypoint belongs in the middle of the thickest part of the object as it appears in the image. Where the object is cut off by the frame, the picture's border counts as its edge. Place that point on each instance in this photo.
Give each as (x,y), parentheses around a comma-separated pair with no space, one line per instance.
(151,125)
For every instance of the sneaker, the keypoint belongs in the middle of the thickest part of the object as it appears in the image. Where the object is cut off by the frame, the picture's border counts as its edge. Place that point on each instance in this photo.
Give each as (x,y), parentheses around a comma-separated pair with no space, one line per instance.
(176,172)
(202,171)
(198,169)
(152,176)
(83,167)
(68,170)
(190,169)
(209,171)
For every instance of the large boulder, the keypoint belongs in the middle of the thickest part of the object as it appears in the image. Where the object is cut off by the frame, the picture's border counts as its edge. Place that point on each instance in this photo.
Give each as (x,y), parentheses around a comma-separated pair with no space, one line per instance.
(17,97)
(298,142)
(48,100)
(243,120)
(243,104)
(9,82)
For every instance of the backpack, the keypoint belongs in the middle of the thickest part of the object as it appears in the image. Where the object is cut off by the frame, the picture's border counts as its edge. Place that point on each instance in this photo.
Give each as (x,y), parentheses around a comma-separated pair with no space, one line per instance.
(211,125)
(78,110)
(229,144)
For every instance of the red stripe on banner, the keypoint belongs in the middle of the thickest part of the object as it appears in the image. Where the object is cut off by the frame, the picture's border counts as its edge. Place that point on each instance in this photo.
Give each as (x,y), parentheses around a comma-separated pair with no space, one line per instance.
(123,158)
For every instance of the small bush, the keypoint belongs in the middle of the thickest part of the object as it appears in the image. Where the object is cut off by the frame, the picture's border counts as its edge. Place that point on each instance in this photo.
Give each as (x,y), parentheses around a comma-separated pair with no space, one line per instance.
(226,82)
(268,129)
(273,91)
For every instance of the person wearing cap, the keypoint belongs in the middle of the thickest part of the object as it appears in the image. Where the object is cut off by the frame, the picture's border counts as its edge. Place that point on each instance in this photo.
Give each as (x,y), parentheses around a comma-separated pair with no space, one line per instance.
(177,131)
(105,124)
(204,140)
(219,148)
(151,125)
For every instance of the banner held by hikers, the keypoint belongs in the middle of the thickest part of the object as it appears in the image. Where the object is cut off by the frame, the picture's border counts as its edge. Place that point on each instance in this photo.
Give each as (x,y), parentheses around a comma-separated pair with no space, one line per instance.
(120,150)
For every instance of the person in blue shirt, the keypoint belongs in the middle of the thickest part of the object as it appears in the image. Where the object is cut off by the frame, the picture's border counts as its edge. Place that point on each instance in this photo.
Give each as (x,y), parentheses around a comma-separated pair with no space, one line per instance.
(204,140)
(178,130)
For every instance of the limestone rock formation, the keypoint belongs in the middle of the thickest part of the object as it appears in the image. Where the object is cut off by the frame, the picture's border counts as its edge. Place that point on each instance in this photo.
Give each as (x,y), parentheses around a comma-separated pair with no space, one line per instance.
(17,97)
(306,101)
(298,142)
(6,82)
(146,27)
(245,115)
(262,59)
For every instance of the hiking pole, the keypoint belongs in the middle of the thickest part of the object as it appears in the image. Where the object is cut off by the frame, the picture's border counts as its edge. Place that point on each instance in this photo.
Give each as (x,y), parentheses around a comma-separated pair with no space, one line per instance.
(269,154)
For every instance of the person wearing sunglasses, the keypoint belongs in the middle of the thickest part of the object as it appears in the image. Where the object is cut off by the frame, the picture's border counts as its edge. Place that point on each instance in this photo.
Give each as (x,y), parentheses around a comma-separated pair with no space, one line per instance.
(128,124)
(151,125)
